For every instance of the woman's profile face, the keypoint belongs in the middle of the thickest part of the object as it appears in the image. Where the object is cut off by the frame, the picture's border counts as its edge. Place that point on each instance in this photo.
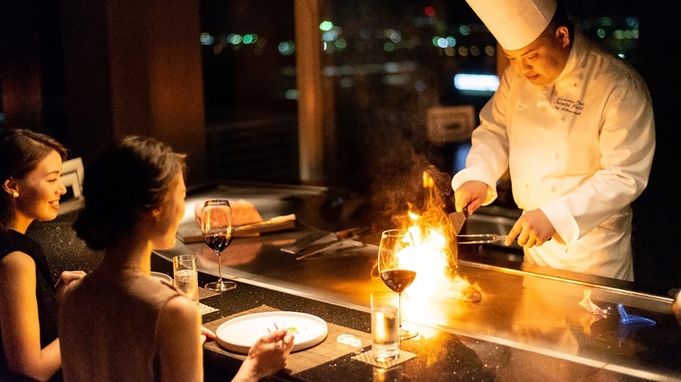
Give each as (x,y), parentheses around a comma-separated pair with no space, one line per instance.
(172,212)
(41,189)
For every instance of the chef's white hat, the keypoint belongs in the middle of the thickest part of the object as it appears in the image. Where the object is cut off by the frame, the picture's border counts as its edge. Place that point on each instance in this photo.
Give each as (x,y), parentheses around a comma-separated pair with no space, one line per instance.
(515,23)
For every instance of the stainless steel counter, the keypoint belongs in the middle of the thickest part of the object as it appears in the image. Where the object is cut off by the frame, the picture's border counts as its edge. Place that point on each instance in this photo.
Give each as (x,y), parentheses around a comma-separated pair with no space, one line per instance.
(524,308)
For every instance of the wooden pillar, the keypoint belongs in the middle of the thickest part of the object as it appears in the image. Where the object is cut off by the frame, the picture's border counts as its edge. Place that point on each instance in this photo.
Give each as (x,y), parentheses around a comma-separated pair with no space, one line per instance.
(309,84)
(135,68)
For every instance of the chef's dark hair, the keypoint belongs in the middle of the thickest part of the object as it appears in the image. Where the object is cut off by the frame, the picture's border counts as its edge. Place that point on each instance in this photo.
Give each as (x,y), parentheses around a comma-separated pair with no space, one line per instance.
(20,152)
(562,18)
(127,179)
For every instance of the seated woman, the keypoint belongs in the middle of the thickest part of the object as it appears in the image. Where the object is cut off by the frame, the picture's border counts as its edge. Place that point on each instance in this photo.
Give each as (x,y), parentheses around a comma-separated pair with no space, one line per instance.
(30,166)
(119,323)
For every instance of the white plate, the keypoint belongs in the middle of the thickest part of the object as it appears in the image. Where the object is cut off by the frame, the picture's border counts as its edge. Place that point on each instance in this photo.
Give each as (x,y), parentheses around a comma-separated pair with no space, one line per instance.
(239,334)
(162,276)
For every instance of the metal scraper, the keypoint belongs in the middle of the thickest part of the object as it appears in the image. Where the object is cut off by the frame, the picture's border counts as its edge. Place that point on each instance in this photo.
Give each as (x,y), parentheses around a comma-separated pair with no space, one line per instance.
(443,187)
(458,218)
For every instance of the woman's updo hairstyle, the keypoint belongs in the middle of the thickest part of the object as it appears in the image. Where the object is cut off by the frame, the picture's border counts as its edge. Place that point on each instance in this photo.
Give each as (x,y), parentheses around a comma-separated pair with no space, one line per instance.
(127,179)
(20,152)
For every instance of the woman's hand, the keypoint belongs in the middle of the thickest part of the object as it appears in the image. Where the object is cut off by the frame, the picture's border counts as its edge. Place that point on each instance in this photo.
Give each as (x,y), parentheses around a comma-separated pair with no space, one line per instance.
(266,356)
(65,279)
(206,334)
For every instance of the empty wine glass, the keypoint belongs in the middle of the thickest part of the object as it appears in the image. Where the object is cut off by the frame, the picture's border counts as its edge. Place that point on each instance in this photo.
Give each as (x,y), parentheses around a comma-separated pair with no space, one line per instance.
(396,265)
(216,222)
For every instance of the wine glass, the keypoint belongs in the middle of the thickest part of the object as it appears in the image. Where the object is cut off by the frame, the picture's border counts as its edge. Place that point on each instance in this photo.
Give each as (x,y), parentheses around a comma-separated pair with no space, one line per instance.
(216,223)
(396,257)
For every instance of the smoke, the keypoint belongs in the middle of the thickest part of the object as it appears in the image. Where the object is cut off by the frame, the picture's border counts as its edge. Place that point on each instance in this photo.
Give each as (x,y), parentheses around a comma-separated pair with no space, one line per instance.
(398,185)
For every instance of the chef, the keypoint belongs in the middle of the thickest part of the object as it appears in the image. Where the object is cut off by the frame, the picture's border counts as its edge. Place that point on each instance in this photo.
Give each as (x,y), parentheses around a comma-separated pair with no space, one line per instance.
(574,127)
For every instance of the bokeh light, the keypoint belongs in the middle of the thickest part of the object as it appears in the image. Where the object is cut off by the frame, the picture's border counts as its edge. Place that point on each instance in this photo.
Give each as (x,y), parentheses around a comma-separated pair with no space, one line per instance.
(207,39)
(393,35)
(326,26)
(286,48)
(234,39)
(250,38)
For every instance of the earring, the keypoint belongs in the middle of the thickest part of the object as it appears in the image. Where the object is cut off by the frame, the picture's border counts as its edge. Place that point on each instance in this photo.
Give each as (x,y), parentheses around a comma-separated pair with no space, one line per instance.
(15,194)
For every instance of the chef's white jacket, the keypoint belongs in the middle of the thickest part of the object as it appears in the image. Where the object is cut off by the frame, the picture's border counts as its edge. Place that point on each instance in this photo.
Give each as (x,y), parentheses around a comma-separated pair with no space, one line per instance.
(579,149)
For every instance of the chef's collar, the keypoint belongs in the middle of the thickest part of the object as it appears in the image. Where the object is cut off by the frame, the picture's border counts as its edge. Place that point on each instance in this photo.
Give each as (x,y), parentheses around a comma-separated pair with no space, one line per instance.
(576,44)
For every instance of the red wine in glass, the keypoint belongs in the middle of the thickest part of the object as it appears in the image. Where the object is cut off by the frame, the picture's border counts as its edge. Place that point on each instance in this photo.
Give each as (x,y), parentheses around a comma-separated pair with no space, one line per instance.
(398,279)
(395,256)
(216,222)
(217,242)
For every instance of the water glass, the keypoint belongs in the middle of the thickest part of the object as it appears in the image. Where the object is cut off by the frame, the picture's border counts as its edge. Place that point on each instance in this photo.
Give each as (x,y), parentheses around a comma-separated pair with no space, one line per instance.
(385,334)
(186,277)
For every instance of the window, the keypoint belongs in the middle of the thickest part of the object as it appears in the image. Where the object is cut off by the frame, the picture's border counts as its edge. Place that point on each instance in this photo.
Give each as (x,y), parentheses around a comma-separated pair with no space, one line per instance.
(384,64)
(250,90)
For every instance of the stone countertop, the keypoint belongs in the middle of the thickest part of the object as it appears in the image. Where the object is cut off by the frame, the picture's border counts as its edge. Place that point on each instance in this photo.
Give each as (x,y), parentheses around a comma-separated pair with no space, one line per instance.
(495,340)
(440,354)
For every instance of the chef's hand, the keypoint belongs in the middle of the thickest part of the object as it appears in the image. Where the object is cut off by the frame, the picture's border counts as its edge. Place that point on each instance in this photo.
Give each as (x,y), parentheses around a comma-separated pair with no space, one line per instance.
(470,196)
(533,228)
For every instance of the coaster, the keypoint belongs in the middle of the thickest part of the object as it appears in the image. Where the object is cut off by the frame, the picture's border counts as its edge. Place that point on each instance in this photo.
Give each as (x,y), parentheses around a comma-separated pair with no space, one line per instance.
(366,357)
(205,309)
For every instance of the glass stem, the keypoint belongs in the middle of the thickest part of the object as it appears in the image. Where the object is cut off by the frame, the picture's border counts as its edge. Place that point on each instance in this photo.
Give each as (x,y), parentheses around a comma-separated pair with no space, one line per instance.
(399,306)
(219,269)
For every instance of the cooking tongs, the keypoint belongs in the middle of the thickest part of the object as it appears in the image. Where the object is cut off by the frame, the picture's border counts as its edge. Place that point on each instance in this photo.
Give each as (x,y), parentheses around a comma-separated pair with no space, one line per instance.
(480,238)
(330,241)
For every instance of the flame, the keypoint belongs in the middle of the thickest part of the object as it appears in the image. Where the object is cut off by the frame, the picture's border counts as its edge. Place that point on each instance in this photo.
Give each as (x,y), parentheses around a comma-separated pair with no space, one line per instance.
(434,258)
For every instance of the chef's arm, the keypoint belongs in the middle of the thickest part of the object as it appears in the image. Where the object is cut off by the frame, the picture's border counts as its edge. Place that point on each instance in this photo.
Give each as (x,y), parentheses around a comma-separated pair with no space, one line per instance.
(627,144)
(487,159)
